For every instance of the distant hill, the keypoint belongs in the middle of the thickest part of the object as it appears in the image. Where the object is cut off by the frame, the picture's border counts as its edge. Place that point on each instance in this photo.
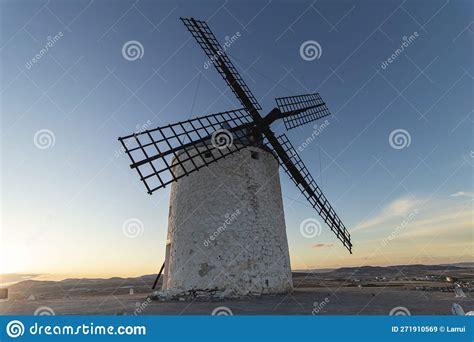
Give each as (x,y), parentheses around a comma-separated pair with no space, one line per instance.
(408,270)
(96,286)
(385,271)
(80,286)
(461,264)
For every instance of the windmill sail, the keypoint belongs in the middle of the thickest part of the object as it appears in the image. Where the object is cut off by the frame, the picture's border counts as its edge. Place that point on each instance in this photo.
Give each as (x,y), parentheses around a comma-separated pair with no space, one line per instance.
(192,144)
(302,109)
(308,187)
(295,110)
(208,42)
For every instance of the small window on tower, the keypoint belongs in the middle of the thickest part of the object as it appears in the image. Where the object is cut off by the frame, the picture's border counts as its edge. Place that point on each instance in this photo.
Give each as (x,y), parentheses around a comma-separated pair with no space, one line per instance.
(207,155)
(254,155)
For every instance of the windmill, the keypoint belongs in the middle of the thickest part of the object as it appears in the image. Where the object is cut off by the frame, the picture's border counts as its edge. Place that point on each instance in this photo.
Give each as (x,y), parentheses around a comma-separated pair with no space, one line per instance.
(218,145)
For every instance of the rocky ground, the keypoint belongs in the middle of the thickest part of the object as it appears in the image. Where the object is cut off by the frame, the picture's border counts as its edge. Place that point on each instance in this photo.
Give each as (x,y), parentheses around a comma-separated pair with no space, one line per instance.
(303,301)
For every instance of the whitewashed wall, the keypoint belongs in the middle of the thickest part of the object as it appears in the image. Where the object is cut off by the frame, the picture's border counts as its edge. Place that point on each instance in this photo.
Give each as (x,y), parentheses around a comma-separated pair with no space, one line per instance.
(226,228)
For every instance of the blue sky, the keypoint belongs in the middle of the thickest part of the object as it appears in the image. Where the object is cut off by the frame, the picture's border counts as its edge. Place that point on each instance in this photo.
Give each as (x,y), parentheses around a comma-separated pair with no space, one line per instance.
(63,207)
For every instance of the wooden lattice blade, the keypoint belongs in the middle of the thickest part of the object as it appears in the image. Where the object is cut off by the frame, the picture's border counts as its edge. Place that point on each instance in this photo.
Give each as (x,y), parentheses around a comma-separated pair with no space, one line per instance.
(192,144)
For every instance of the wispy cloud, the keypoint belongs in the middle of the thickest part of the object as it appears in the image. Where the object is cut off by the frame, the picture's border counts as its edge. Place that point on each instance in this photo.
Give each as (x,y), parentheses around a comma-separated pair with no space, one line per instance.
(434,229)
(393,211)
(11,278)
(452,222)
(415,219)
(463,194)
(323,245)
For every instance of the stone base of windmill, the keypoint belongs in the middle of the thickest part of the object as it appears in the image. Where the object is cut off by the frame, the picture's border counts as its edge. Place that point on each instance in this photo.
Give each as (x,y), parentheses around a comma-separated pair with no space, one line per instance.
(206,294)
(176,294)
(226,230)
